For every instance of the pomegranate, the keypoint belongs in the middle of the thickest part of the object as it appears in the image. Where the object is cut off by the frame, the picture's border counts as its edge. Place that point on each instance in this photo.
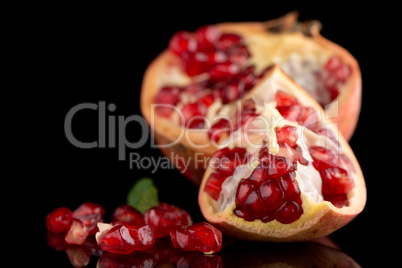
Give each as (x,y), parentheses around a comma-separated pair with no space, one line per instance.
(59,220)
(295,182)
(127,213)
(90,214)
(203,73)
(163,218)
(124,239)
(76,233)
(202,237)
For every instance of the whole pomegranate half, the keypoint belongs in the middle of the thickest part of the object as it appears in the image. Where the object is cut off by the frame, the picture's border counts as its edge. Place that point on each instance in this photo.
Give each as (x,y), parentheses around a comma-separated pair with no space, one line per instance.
(203,73)
(283,173)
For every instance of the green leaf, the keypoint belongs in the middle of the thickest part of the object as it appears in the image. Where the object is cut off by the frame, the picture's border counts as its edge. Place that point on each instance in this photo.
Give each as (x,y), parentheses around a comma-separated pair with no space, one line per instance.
(143,195)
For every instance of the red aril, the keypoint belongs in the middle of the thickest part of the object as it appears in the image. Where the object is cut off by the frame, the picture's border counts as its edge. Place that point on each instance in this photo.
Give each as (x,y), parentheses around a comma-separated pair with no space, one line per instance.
(124,239)
(59,219)
(166,99)
(202,237)
(164,217)
(76,233)
(207,36)
(228,41)
(182,42)
(127,213)
(90,214)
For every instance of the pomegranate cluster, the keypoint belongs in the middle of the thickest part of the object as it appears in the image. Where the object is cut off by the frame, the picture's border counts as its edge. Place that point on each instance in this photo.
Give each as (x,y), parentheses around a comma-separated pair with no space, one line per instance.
(271,192)
(131,230)
(219,68)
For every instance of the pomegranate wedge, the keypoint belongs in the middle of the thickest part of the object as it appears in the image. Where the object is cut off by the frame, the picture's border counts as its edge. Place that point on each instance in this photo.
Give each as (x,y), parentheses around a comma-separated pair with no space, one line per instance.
(288,175)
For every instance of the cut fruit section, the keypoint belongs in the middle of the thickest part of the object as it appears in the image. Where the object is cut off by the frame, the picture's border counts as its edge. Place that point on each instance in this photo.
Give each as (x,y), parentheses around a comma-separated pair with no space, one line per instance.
(295,182)
(205,72)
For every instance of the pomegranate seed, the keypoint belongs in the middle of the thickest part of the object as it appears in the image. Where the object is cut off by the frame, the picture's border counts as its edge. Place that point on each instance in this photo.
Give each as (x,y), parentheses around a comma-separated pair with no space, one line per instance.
(207,100)
(232,91)
(77,233)
(125,240)
(323,158)
(333,91)
(338,200)
(259,175)
(333,63)
(342,73)
(164,217)
(207,36)
(291,113)
(88,208)
(254,205)
(194,114)
(290,187)
(90,214)
(239,55)
(213,186)
(289,212)
(243,191)
(284,99)
(59,220)
(229,161)
(227,41)
(272,195)
(182,42)
(202,237)
(279,166)
(336,181)
(166,98)
(286,151)
(223,71)
(218,129)
(127,213)
(196,63)
(287,135)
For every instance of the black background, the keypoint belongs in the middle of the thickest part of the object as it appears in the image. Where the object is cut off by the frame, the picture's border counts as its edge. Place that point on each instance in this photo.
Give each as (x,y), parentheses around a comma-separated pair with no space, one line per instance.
(99,53)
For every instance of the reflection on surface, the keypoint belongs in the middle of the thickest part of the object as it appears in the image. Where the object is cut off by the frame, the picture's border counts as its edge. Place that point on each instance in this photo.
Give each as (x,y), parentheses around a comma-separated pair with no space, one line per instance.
(320,253)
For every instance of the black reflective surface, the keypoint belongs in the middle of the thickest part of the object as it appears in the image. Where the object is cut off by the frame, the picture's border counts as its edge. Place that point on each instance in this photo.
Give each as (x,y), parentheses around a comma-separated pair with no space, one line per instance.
(321,253)
(99,54)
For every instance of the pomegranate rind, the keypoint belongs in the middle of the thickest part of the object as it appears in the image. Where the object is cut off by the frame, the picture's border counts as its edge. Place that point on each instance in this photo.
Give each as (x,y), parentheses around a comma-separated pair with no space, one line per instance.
(192,146)
(318,219)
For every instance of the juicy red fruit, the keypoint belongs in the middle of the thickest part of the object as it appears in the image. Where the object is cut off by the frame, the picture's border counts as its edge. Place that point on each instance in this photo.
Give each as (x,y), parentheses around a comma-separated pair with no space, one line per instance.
(77,233)
(182,42)
(271,192)
(90,214)
(202,237)
(163,218)
(59,220)
(126,239)
(127,213)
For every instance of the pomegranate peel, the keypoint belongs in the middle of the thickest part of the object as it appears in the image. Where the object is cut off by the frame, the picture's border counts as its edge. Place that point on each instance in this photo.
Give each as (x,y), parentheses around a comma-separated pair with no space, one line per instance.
(188,64)
(305,212)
